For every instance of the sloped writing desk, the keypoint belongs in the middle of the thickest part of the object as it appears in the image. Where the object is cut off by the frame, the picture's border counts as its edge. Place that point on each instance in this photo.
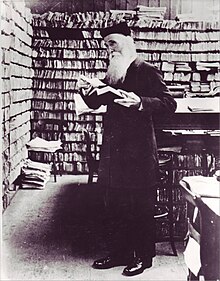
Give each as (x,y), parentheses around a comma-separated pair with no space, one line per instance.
(204,193)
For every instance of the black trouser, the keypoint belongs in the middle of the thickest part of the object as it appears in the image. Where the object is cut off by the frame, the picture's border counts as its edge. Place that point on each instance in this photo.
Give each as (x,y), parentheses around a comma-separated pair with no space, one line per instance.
(130,224)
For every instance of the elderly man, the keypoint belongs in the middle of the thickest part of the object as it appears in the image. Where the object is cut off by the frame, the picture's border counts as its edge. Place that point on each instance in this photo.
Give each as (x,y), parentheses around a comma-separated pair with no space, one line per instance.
(128,164)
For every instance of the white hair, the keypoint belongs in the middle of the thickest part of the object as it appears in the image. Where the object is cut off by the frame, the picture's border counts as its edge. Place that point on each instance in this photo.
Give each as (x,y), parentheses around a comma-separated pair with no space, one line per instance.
(119,63)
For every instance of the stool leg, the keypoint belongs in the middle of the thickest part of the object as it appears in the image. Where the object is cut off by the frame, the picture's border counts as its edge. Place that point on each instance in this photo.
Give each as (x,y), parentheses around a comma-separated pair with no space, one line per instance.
(90,177)
(60,166)
(172,243)
(170,215)
(54,167)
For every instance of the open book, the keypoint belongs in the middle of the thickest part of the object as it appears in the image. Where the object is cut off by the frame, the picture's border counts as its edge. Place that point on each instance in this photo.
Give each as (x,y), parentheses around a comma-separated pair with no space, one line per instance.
(105,92)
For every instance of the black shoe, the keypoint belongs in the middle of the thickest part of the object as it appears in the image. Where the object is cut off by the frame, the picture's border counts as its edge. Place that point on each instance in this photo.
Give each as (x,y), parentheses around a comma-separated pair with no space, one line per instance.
(108,262)
(137,266)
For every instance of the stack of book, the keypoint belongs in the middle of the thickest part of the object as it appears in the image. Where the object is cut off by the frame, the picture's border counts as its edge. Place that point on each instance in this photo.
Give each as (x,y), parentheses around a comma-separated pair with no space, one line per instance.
(34,175)
(177,91)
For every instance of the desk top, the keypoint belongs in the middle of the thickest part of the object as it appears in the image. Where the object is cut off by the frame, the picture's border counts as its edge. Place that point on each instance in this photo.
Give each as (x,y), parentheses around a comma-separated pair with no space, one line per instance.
(198,105)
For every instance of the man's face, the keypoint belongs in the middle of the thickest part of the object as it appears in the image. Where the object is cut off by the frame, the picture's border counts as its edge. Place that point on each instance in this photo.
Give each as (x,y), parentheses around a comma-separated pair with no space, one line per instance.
(115,44)
(119,51)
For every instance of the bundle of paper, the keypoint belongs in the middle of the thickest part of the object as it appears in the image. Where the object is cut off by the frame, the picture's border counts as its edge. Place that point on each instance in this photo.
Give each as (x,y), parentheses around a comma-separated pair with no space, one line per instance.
(35,175)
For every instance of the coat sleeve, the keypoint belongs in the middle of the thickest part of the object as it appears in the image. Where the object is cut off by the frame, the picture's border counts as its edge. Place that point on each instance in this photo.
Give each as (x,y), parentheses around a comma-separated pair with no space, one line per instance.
(159,99)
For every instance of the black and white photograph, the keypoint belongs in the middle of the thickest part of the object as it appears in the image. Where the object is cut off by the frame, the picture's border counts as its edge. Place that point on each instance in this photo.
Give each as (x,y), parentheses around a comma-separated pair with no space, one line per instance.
(110,115)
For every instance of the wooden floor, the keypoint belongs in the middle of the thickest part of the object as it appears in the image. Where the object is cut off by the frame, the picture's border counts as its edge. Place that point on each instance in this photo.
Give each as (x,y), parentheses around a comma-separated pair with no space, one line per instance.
(50,234)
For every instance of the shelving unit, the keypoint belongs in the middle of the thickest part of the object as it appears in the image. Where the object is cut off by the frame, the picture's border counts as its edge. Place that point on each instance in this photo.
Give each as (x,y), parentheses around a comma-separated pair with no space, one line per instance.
(57,65)
(186,53)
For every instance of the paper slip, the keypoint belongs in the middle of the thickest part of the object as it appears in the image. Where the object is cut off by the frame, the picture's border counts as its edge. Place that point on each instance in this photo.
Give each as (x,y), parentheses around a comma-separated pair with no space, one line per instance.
(192,256)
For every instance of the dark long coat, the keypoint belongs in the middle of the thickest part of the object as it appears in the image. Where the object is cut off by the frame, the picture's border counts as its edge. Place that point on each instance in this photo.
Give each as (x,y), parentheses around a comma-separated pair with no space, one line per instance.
(129,151)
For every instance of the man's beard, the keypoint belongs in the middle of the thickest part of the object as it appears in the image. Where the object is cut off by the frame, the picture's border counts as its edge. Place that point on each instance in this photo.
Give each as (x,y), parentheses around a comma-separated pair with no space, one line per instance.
(117,69)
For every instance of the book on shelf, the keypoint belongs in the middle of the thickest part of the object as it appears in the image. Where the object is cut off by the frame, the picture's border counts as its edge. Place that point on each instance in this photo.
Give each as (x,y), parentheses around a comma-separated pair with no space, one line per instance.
(177,91)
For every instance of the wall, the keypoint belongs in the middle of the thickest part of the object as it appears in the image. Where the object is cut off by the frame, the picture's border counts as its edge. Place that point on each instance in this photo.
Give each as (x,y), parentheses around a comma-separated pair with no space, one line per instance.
(173,6)
(16,89)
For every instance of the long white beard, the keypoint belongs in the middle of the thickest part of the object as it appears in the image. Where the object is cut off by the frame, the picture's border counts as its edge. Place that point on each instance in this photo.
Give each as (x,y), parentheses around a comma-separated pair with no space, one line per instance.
(117,69)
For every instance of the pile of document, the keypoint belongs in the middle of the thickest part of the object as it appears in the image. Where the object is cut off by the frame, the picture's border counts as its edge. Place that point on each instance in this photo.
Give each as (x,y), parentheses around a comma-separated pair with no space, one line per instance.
(157,13)
(39,144)
(34,175)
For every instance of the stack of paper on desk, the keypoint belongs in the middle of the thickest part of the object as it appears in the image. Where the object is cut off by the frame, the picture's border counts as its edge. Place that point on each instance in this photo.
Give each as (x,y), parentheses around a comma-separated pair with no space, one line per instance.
(203,104)
(199,109)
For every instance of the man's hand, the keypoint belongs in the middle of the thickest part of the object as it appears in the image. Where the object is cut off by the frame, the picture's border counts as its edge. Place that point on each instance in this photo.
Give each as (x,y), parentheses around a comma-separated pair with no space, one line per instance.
(88,85)
(129,99)
(84,86)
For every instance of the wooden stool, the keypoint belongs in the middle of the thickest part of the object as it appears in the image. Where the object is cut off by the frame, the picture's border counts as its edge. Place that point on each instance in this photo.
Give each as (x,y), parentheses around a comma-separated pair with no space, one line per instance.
(166,210)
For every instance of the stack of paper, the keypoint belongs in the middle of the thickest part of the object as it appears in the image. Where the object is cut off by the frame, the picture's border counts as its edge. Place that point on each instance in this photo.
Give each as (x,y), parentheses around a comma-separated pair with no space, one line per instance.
(207,65)
(39,144)
(151,12)
(183,66)
(177,91)
(34,175)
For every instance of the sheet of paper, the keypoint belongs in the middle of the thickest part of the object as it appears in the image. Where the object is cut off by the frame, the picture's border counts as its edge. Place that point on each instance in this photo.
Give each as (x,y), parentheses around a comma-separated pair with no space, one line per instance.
(192,256)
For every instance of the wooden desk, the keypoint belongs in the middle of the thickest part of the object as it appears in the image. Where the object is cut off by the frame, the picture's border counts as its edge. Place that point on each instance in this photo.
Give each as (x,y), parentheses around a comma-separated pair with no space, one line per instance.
(185,119)
(207,105)
(209,226)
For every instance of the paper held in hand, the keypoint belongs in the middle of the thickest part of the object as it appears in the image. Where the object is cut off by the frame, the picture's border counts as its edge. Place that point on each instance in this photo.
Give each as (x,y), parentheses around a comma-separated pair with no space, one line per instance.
(82,108)
(101,89)
(95,82)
